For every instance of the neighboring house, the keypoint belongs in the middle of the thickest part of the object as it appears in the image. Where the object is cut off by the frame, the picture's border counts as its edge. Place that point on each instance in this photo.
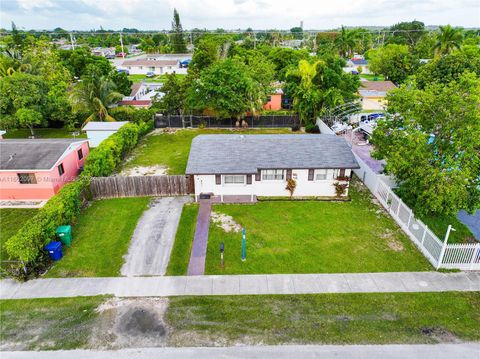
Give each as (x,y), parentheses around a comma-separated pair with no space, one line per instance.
(99,131)
(103,51)
(141,95)
(291,44)
(274,101)
(37,169)
(373,94)
(229,167)
(2,133)
(356,62)
(158,67)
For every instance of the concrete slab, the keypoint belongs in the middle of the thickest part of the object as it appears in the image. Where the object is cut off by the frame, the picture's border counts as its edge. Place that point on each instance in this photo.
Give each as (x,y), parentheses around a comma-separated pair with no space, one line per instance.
(457,281)
(388,282)
(422,282)
(474,277)
(225,285)
(305,283)
(280,284)
(251,284)
(360,283)
(199,285)
(153,238)
(332,283)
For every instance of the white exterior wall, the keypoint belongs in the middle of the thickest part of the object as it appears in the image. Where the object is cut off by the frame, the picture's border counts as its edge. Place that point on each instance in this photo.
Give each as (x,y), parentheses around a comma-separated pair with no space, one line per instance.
(95,137)
(143,70)
(305,188)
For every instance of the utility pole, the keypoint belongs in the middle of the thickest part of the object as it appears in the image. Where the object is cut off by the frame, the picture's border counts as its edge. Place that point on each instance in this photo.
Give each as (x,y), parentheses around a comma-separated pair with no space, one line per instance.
(121,44)
(72,42)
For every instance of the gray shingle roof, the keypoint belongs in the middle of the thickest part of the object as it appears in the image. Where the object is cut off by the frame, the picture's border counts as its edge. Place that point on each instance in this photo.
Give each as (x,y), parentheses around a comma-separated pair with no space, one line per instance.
(212,154)
(41,154)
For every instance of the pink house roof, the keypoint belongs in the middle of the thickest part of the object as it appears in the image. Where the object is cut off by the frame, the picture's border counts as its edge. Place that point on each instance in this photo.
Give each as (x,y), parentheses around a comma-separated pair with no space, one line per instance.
(138,103)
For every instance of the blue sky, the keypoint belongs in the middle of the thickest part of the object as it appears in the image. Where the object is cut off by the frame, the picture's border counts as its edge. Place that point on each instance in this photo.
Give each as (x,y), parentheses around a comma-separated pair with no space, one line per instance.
(233,14)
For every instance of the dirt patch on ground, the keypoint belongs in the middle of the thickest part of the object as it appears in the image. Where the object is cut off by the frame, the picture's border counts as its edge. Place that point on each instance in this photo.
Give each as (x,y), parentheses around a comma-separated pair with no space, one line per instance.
(440,335)
(225,222)
(145,171)
(392,243)
(130,323)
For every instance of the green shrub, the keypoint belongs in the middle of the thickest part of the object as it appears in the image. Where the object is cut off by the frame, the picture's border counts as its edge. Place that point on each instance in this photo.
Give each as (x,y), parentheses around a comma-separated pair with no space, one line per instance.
(62,208)
(311,128)
(134,115)
(27,245)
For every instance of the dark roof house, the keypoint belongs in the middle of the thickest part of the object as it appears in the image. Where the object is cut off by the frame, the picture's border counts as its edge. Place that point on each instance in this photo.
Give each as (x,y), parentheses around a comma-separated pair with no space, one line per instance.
(247,154)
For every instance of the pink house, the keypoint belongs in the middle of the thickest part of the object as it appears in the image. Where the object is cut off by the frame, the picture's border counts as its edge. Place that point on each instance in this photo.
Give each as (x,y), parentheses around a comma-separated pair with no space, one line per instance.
(274,101)
(37,169)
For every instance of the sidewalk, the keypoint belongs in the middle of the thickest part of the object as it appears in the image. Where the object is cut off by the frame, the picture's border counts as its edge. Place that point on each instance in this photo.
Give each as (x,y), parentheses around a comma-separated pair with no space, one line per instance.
(397,351)
(196,266)
(242,284)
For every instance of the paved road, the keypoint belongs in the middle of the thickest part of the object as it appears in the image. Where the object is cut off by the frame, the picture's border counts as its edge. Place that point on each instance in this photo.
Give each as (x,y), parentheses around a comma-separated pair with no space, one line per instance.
(472,221)
(242,284)
(196,266)
(153,238)
(434,351)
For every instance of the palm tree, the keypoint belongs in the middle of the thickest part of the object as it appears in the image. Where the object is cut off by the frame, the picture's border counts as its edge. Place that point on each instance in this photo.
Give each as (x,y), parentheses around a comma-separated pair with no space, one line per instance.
(94,95)
(346,42)
(449,39)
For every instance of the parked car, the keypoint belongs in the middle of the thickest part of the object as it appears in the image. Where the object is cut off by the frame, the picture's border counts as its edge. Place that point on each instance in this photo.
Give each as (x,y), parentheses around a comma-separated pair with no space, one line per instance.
(150,74)
(110,56)
(121,54)
(123,70)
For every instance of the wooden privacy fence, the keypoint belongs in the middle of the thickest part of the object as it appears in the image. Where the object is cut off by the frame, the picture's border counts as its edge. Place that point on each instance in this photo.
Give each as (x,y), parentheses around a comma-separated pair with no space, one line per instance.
(138,186)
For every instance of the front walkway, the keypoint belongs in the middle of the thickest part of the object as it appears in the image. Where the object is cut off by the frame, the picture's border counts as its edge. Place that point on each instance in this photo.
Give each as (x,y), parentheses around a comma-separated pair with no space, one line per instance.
(242,285)
(196,266)
(153,238)
(395,351)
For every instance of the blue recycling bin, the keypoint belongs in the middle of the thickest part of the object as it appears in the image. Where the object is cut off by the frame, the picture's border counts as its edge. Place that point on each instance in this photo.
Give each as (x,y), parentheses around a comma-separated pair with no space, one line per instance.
(54,250)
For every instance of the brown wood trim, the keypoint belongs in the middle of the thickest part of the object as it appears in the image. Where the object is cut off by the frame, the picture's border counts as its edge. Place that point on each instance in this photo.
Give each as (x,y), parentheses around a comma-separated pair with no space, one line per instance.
(249,179)
(311,173)
(257,176)
(289,174)
(218,179)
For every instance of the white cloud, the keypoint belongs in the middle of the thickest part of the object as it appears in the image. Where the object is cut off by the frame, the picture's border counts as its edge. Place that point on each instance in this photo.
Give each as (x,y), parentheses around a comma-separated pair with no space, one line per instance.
(232,14)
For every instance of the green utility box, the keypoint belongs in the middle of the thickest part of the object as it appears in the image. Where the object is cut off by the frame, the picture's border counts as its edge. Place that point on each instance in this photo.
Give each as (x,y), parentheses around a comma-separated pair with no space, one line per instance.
(64,233)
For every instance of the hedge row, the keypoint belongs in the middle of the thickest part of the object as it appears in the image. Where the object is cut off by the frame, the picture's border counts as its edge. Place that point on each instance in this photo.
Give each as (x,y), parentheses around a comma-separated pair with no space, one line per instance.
(63,208)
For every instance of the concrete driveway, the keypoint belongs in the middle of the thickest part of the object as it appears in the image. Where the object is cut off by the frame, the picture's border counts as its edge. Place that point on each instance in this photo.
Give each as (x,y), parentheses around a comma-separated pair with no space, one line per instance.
(153,238)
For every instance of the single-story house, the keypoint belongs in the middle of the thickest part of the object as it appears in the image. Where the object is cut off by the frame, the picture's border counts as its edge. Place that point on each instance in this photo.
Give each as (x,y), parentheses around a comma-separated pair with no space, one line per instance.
(158,67)
(243,167)
(373,94)
(356,62)
(274,101)
(99,131)
(36,169)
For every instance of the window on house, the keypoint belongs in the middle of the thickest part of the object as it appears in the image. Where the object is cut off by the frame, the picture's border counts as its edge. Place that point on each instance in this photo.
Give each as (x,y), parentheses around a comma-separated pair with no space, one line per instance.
(234,179)
(269,98)
(320,174)
(27,178)
(152,69)
(272,175)
(61,171)
(80,154)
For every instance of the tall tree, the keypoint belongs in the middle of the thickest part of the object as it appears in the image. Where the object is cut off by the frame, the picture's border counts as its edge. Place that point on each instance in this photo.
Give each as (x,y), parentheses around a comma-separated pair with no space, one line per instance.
(93,96)
(449,39)
(431,142)
(395,62)
(346,42)
(177,40)
(406,33)
(227,89)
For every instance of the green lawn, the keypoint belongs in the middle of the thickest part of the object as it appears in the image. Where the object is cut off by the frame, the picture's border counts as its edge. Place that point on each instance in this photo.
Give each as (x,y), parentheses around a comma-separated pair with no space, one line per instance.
(43,133)
(171,149)
(314,237)
(11,219)
(378,318)
(371,77)
(182,247)
(100,238)
(439,224)
(48,324)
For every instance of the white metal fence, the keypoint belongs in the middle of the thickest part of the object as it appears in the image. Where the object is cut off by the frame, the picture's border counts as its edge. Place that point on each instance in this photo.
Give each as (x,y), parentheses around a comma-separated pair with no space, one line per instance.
(441,255)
